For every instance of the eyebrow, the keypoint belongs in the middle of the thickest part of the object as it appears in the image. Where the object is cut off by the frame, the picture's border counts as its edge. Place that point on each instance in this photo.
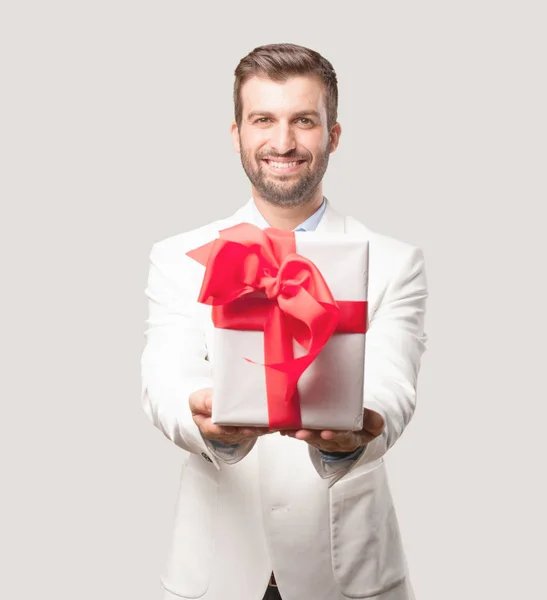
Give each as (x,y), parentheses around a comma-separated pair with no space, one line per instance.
(300,113)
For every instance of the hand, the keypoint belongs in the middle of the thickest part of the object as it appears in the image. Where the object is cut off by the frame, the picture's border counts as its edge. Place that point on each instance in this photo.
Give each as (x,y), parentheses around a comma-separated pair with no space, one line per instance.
(342,441)
(201,402)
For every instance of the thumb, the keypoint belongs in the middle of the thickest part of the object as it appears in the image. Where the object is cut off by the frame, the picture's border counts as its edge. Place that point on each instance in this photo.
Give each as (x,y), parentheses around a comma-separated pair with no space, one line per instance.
(198,402)
(208,401)
(373,422)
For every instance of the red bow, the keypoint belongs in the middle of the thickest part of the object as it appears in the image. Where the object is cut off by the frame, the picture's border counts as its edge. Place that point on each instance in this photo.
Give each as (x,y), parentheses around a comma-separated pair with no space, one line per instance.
(255,281)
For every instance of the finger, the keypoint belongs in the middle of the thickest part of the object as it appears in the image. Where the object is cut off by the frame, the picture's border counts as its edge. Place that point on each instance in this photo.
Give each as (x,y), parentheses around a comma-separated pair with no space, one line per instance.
(328,434)
(365,438)
(199,420)
(195,404)
(253,431)
(326,445)
(212,431)
(336,436)
(307,435)
(198,402)
(373,422)
(347,444)
(288,432)
(208,401)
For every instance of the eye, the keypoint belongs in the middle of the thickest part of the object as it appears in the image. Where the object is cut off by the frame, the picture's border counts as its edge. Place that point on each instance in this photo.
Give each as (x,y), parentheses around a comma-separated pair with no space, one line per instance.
(305,121)
(262,120)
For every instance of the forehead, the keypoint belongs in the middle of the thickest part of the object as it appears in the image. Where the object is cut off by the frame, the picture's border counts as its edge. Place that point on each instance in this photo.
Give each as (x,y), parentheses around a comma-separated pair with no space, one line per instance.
(295,94)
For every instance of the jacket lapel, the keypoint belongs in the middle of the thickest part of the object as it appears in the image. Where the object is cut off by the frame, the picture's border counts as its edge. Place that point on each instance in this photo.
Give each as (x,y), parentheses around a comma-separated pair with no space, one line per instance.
(332,221)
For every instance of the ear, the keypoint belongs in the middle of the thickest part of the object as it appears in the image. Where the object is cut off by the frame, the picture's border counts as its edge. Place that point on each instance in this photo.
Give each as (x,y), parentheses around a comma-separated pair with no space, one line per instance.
(235,137)
(334,137)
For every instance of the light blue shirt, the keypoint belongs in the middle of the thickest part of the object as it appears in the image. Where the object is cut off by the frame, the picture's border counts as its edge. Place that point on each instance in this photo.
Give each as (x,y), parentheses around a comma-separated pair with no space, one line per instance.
(310,224)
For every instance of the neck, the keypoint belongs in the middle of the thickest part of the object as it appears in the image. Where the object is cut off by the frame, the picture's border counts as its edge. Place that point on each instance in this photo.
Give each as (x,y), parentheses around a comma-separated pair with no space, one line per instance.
(288,217)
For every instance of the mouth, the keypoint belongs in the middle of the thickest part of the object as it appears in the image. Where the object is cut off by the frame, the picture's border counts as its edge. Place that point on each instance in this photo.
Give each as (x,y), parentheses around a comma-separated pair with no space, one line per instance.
(283,166)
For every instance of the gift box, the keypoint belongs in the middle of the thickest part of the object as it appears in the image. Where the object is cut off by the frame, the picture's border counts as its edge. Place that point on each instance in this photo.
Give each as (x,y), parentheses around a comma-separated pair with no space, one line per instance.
(290,316)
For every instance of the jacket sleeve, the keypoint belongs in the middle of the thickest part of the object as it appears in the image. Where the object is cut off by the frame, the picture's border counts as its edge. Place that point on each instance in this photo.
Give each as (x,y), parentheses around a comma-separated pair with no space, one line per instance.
(395,342)
(174,362)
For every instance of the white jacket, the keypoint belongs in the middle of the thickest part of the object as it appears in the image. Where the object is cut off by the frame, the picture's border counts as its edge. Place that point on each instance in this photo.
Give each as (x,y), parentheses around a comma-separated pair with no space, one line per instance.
(328,532)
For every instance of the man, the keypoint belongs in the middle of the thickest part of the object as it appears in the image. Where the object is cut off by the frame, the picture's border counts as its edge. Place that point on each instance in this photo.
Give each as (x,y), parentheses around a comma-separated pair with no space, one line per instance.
(298,515)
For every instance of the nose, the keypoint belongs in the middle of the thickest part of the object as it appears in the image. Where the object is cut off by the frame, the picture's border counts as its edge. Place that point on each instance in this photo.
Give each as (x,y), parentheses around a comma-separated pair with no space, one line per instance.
(283,139)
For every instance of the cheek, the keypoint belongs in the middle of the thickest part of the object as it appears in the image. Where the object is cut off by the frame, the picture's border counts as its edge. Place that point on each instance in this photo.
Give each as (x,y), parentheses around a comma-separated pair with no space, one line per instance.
(252,141)
(314,142)
(255,142)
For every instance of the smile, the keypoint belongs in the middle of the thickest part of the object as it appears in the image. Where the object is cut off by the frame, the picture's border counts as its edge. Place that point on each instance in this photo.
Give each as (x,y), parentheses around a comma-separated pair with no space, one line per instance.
(283,166)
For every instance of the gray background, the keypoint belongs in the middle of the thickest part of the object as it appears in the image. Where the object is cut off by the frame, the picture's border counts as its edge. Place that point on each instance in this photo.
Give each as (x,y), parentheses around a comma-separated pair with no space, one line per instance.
(115,133)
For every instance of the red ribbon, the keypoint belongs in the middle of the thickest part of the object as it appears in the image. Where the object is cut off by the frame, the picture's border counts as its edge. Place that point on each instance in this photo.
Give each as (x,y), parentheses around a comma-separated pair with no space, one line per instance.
(255,281)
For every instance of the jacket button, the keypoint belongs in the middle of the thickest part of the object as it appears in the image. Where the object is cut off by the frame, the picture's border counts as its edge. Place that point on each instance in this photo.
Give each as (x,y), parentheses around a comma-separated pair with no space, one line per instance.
(206,457)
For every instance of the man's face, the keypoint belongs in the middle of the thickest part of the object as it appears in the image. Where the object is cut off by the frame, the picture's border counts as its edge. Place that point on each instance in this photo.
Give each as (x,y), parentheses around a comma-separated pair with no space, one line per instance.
(284,140)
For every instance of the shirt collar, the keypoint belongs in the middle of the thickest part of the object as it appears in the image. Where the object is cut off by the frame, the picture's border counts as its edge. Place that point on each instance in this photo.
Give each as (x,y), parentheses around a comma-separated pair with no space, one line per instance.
(310,224)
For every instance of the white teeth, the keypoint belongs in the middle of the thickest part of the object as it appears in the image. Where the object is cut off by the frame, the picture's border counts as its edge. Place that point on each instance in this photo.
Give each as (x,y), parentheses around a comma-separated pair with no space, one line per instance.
(282,165)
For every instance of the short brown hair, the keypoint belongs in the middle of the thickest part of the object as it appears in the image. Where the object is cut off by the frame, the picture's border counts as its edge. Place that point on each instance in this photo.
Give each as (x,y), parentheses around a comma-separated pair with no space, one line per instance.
(281,61)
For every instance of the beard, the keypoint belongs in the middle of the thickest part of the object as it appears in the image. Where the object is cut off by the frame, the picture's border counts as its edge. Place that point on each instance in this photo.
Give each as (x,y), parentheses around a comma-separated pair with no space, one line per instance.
(285,190)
